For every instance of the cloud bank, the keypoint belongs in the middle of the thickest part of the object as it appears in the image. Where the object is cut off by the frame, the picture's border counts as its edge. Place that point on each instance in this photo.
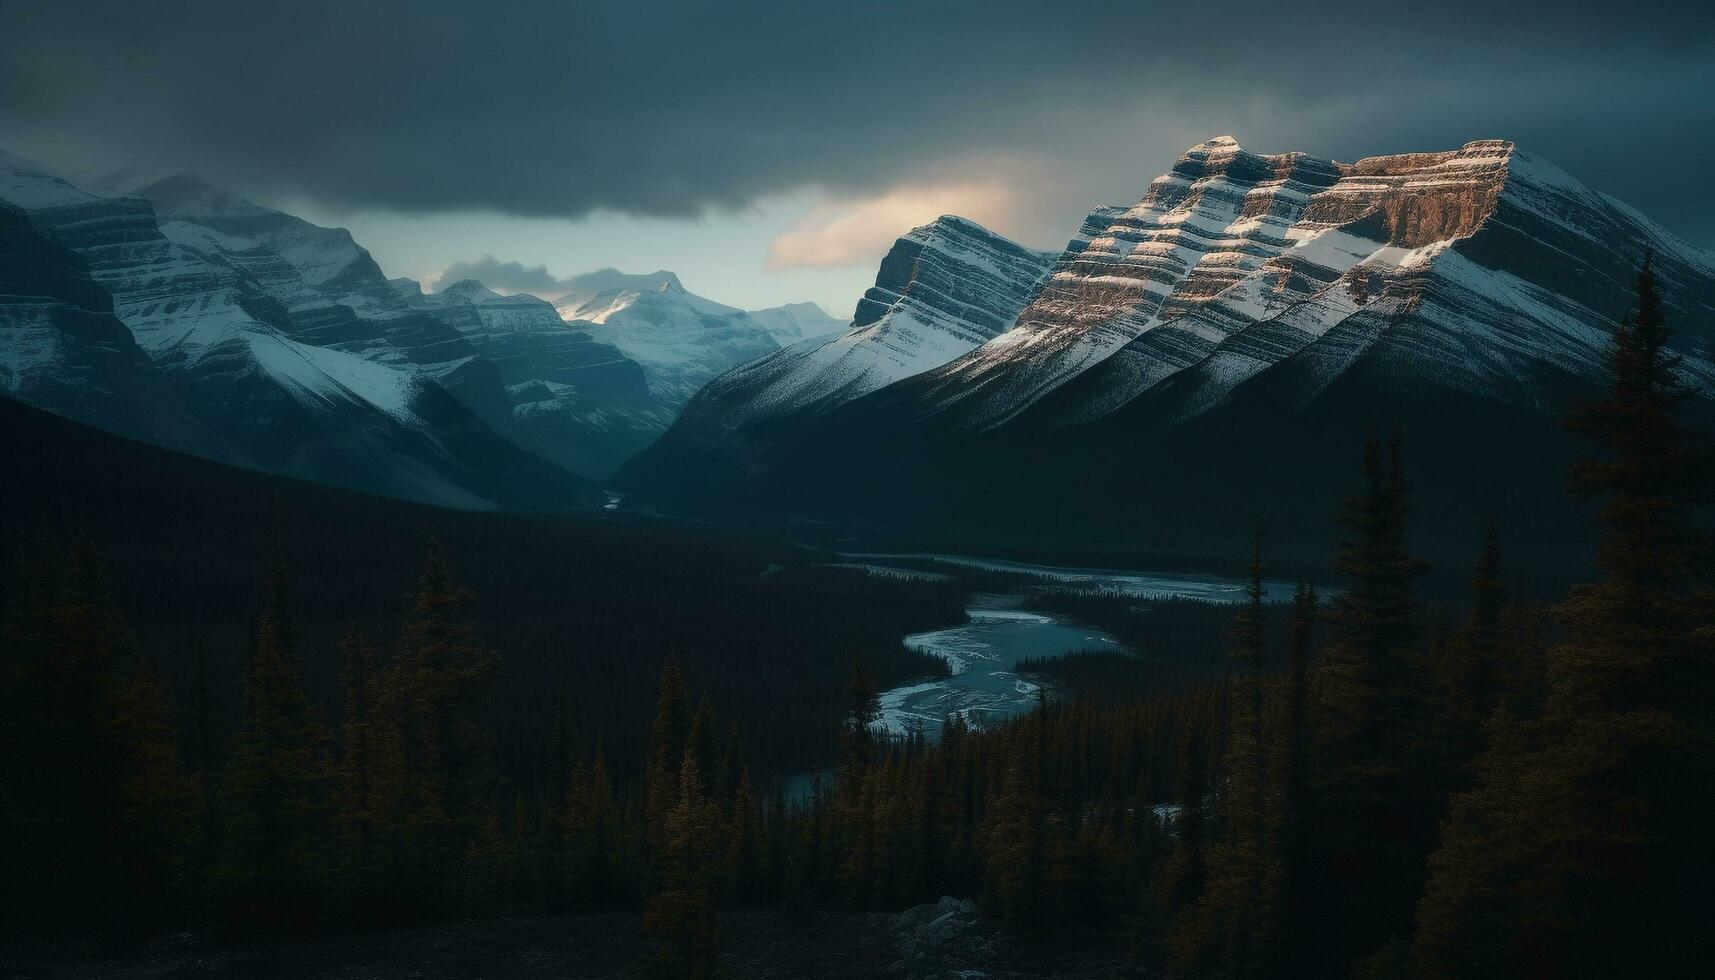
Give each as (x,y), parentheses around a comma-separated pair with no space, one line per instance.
(857,232)
(505,277)
(677,109)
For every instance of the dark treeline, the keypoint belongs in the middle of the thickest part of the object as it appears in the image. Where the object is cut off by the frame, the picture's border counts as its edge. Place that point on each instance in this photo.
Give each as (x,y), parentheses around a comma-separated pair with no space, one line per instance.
(1522,790)
(593,607)
(1378,789)
(1174,644)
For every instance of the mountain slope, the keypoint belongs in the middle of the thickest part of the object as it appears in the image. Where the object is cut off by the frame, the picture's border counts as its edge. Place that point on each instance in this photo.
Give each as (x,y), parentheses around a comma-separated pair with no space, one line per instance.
(62,348)
(224,345)
(572,399)
(942,290)
(794,322)
(327,258)
(554,389)
(681,339)
(1216,351)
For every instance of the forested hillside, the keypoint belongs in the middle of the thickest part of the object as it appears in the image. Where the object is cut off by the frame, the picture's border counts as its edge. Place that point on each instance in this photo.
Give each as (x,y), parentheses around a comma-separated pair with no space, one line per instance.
(591,606)
(1380,790)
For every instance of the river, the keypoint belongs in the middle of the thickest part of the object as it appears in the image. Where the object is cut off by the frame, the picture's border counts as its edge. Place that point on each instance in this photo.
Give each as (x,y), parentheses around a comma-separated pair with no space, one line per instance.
(984,687)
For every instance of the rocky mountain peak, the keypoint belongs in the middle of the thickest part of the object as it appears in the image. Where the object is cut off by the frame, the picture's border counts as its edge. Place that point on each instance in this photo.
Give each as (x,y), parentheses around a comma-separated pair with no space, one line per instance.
(470,291)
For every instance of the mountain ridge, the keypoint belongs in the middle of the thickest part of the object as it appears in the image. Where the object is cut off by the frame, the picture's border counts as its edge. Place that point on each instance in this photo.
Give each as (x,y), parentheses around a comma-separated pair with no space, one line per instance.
(1284,293)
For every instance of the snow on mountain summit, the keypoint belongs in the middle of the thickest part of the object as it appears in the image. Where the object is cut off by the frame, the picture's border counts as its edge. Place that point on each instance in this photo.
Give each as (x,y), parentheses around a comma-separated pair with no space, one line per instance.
(1232,254)
(327,258)
(681,339)
(1211,351)
(942,290)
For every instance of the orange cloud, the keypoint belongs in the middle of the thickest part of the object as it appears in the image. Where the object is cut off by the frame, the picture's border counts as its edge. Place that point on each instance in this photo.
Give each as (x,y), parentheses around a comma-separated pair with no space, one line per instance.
(858,231)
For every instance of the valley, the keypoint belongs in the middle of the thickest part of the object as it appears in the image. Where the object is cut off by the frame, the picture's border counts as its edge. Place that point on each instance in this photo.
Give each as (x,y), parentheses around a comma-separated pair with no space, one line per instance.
(1300,566)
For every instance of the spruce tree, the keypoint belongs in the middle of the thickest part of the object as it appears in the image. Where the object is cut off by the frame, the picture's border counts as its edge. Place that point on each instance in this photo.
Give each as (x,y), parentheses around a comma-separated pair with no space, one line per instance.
(358,812)
(1583,849)
(454,675)
(1371,814)
(680,914)
(1014,846)
(435,770)
(667,743)
(97,817)
(745,849)
(275,792)
(1467,668)
(1233,930)
(1287,828)
(863,708)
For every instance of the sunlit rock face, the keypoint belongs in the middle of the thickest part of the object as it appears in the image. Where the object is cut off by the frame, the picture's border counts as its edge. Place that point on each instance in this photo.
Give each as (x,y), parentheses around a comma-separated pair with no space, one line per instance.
(1234,260)
(1218,348)
(941,291)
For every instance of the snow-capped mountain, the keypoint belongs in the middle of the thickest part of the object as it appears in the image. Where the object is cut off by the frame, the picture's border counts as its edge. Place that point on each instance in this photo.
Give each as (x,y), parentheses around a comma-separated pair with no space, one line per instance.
(1216,350)
(62,348)
(222,267)
(681,339)
(571,398)
(1506,266)
(327,258)
(797,321)
(225,342)
(943,289)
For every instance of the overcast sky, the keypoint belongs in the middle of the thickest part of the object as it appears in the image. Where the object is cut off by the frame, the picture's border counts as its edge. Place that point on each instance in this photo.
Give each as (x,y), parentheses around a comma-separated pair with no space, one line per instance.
(770,151)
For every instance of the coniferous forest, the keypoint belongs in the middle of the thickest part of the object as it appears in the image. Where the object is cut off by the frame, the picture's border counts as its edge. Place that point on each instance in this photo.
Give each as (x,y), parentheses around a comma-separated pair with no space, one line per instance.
(364,722)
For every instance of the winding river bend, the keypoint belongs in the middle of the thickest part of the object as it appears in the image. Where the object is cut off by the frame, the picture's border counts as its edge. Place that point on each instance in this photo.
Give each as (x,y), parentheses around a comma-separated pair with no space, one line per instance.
(982,654)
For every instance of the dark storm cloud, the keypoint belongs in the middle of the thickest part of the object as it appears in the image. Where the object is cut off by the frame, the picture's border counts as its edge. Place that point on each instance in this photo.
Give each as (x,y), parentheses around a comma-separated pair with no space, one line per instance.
(505,277)
(557,108)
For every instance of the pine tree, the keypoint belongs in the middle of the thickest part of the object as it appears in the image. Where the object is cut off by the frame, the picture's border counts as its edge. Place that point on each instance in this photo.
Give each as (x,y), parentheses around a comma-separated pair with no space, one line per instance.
(745,856)
(1180,884)
(275,791)
(700,741)
(437,784)
(1014,845)
(1583,848)
(454,674)
(1372,816)
(1467,667)
(667,743)
(561,748)
(1233,931)
(680,915)
(593,842)
(156,828)
(863,707)
(1287,829)
(97,817)
(357,806)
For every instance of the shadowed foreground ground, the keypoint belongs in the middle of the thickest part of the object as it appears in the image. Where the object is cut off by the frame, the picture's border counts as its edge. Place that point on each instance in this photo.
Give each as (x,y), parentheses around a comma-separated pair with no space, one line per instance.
(947,941)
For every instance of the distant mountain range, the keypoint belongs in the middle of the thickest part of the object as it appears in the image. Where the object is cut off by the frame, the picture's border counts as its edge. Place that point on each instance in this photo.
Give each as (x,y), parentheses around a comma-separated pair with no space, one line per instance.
(1211,354)
(180,313)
